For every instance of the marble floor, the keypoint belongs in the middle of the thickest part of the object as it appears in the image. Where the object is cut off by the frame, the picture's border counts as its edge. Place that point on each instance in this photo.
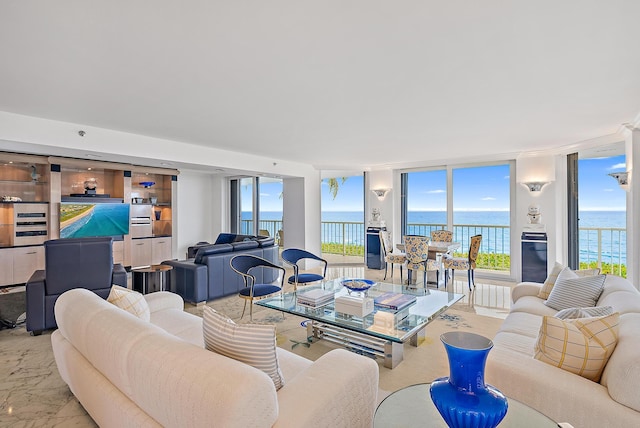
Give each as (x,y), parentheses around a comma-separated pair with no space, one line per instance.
(32,394)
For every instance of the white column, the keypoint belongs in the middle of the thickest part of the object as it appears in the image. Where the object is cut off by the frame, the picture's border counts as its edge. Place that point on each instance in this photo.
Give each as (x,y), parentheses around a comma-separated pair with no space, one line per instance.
(632,149)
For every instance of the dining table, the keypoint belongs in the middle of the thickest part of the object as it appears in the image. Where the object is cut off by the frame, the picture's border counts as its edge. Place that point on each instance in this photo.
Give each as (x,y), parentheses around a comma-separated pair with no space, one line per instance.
(437,249)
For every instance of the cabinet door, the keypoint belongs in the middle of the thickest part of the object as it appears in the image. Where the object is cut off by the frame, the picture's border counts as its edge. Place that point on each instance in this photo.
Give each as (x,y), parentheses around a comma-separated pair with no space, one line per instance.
(161,250)
(26,260)
(140,252)
(6,266)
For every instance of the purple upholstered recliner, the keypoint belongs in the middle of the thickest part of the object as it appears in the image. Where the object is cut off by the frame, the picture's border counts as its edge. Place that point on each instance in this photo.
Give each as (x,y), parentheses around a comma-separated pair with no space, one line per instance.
(70,263)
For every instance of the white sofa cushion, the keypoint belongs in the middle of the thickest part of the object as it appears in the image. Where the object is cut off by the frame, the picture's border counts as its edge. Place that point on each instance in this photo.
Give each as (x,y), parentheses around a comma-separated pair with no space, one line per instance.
(575,313)
(622,374)
(253,344)
(580,346)
(129,300)
(548,284)
(571,290)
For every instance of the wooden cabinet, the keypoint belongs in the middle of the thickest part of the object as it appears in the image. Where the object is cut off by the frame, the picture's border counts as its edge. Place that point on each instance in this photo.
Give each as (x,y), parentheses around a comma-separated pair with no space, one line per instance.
(160,250)
(150,251)
(140,252)
(18,264)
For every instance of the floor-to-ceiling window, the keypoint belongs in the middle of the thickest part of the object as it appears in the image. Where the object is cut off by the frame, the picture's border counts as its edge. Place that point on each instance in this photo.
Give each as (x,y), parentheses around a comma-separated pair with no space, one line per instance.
(602,238)
(256,206)
(477,201)
(343,229)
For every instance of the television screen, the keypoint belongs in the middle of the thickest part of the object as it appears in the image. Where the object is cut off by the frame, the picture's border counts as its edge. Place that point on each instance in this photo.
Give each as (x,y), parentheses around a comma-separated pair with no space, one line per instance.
(89,219)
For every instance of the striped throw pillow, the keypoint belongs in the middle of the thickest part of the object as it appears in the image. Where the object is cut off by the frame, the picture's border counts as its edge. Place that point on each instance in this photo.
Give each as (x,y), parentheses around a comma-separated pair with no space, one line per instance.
(571,291)
(546,288)
(253,344)
(581,346)
(573,313)
(129,300)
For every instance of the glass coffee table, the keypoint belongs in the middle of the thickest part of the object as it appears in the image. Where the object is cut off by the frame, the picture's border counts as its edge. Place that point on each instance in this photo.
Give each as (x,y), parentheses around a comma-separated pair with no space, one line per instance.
(367,335)
(412,406)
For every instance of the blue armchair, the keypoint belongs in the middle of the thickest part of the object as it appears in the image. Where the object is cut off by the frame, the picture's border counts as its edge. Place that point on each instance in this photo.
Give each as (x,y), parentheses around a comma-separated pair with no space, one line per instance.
(70,263)
(292,256)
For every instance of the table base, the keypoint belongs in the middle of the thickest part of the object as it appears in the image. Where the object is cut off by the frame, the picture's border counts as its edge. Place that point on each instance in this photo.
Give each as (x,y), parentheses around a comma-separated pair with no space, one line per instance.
(392,353)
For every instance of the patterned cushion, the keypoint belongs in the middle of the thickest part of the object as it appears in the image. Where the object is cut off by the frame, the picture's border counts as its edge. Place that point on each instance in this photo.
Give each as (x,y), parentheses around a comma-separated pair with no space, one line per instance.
(553,276)
(129,300)
(571,291)
(431,265)
(573,313)
(253,344)
(442,235)
(582,346)
(395,258)
(416,248)
(461,263)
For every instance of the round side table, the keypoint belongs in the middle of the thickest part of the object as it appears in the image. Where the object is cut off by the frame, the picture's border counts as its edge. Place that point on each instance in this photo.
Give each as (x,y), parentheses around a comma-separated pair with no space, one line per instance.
(412,407)
(150,278)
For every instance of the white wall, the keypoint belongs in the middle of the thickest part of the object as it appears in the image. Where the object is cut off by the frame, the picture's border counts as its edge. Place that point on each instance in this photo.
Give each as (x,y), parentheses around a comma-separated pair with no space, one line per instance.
(195,205)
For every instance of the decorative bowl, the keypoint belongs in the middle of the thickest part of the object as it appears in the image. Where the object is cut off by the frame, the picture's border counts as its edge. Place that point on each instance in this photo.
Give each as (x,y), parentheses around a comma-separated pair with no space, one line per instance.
(357,284)
(147,184)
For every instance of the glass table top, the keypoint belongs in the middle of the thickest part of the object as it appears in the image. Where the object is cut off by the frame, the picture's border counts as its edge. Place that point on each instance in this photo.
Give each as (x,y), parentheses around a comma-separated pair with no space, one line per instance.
(412,407)
(406,322)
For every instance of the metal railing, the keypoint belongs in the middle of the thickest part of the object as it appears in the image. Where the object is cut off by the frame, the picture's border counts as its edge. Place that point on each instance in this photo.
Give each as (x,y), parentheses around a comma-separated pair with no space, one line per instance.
(603,247)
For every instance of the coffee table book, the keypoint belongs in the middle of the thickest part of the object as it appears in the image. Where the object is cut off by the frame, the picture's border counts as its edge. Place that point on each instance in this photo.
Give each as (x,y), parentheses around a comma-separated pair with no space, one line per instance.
(394,301)
(315,298)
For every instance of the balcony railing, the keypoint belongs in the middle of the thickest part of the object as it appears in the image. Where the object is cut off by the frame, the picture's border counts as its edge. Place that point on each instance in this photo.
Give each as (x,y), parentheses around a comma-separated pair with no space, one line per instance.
(603,247)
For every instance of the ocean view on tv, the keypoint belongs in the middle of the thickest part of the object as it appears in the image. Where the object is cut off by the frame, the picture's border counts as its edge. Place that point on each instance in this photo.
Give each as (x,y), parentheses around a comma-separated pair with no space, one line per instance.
(82,220)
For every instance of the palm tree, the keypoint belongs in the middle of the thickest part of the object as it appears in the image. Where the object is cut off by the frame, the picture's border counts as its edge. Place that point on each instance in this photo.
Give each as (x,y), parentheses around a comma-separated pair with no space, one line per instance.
(334,186)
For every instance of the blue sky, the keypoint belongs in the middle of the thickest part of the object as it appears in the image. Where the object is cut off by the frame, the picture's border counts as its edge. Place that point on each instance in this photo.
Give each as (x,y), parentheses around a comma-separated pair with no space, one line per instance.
(477,189)
(485,188)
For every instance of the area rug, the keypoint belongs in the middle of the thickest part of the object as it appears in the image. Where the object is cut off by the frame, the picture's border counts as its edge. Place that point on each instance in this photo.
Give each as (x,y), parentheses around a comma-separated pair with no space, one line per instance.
(421,364)
(12,303)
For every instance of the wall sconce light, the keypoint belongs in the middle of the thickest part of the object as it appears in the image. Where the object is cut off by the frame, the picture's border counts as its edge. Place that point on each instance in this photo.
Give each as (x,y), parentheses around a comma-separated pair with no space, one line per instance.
(380,193)
(622,178)
(535,186)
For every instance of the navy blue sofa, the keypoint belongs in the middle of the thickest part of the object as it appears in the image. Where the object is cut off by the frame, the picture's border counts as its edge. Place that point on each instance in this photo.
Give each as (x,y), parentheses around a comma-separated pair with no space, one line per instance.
(208,275)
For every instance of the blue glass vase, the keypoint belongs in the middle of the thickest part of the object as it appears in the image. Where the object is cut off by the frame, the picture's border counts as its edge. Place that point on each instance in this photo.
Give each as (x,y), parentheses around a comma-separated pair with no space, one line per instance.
(463,399)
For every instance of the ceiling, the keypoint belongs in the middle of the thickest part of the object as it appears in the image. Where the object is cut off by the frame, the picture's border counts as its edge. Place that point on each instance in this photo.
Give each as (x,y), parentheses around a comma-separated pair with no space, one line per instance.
(335,84)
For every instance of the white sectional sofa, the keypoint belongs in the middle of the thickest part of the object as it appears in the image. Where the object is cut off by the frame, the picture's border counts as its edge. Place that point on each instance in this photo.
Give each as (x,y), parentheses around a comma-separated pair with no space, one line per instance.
(127,372)
(559,394)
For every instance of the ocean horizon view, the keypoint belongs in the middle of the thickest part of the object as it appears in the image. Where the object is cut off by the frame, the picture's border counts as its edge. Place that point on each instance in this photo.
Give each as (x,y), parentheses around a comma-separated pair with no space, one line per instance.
(495,239)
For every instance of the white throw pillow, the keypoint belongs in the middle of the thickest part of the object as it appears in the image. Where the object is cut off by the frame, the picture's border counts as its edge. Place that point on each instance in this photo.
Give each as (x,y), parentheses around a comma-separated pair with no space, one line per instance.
(571,291)
(129,300)
(574,313)
(546,288)
(253,344)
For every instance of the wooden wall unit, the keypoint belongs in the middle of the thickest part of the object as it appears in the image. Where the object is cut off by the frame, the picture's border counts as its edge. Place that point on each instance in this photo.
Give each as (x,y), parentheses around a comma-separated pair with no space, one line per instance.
(41,182)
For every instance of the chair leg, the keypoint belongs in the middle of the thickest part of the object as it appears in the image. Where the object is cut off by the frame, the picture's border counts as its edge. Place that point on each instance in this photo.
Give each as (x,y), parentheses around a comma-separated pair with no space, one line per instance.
(437,278)
(244,308)
(469,278)
(425,278)
(385,271)
(401,275)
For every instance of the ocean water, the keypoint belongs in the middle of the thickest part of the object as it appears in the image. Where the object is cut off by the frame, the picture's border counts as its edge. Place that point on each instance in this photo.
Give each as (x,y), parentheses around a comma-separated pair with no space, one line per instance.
(495,239)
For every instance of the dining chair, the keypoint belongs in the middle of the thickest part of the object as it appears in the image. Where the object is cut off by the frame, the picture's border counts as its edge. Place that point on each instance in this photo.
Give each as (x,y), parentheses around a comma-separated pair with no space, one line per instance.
(253,288)
(442,235)
(389,255)
(464,263)
(417,252)
(292,256)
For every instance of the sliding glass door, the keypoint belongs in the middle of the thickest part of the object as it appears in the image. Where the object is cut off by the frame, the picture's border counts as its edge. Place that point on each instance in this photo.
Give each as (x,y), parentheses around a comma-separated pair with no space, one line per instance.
(256,206)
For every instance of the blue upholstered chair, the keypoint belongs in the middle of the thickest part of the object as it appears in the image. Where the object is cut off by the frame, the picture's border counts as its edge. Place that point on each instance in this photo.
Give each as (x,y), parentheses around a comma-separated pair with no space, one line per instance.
(292,256)
(248,266)
(464,263)
(70,263)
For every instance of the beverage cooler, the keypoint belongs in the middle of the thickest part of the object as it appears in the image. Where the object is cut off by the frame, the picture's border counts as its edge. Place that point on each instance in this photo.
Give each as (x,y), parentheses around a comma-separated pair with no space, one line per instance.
(534,256)
(375,256)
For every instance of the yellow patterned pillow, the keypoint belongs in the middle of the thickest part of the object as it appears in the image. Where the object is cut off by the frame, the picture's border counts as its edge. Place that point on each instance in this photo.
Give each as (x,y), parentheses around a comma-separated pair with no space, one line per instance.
(129,300)
(581,346)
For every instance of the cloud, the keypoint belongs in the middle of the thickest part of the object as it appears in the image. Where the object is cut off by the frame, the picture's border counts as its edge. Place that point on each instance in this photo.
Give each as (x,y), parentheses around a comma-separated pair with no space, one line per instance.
(506,177)
(607,190)
(266,195)
(435,191)
(488,198)
(619,166)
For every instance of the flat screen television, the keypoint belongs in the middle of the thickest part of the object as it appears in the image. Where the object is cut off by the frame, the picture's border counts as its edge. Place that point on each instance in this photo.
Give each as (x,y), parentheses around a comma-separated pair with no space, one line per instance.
(82,218)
